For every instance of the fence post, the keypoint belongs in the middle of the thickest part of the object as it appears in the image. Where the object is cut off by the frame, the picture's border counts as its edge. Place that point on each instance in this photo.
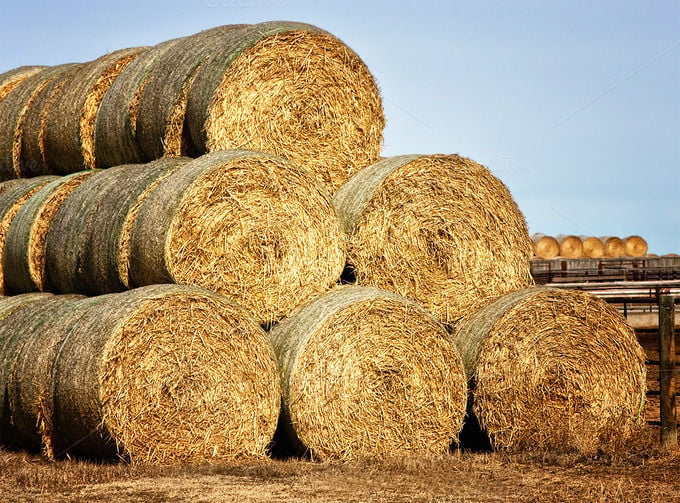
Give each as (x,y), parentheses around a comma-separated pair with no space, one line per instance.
(669,422)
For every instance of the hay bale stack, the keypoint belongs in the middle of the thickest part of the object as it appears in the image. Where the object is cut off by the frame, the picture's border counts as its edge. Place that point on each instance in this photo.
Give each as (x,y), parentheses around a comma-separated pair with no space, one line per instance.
(570,246)
(116,123)
(636,246)
(440,229)
(545,247)
(86,246)
(12,78)
(592,247)
(11,200)
(69,123)
(12,116)
(23,258)
(613,247)
(165,374)
(368,374)
(248,224)
(555,370)
(293,90)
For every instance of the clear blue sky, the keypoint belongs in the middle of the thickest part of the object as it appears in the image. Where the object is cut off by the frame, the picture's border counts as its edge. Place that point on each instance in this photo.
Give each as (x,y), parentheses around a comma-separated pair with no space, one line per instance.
(575,105)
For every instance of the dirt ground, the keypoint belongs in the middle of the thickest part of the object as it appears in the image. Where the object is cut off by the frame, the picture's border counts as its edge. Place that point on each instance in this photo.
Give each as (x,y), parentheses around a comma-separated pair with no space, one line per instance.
(645,474)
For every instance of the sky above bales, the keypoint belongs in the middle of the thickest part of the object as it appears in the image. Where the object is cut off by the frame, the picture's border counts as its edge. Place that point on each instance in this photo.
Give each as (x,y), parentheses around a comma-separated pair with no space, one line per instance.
(575,105)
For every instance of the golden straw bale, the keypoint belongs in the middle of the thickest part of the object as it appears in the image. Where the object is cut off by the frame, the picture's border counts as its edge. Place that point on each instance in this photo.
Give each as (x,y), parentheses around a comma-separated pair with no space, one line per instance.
(368,374)
(545,247)
(614,247)
(248,224)
(593,247)
(437,228)
(570,246)
(635,246)
(553,369)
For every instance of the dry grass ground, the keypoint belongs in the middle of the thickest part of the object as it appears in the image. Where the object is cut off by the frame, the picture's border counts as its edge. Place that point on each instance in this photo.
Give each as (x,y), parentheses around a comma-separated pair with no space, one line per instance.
(643,474)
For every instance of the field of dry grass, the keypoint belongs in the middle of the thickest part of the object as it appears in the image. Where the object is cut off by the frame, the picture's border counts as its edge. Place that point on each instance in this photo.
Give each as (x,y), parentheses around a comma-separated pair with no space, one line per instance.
(643,473)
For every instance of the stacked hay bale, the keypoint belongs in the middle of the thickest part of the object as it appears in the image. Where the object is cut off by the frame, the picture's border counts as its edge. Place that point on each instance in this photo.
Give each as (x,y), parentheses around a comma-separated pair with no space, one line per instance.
(11,79)
(545,247)
(573,247)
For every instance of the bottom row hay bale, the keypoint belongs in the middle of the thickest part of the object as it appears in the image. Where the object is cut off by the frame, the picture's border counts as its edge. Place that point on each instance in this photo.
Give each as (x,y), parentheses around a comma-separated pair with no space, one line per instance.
(367,374)
(553,369)
(158,374)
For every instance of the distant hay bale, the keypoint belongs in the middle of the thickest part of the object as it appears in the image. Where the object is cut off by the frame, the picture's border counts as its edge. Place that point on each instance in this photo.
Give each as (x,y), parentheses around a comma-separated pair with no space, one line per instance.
(555,370)
(570,246)
(248,224)
(116,123)
(545,247)
(12,78)
(440,229)
(23,258)
(368,374)
(592,247)
(635,246)
(293,90)
(11,200)
(165,374)
(69,123)
(613,247)
(86,246)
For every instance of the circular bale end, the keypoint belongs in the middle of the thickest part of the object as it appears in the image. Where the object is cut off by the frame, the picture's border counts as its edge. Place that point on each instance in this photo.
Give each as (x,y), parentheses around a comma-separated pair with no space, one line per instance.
(635,246)
(303,95)
(247,224)
(368,374)
(592,247)
(554,370)
(545,247)
(440,229)
(570,246)
(614,247)
(166,374)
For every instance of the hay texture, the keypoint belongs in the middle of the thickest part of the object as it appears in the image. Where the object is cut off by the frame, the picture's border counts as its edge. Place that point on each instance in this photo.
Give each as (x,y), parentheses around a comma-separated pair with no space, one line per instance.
(12,78)
(368,374)
(69,123)
(292,90)
(23,257)
(592,247)
(545,247)
(11,200)
(165,374)
(86,247)
(570,246)
(614,247)
(553,370)
(635,246)
(116,123)
(248,224)
(440,229)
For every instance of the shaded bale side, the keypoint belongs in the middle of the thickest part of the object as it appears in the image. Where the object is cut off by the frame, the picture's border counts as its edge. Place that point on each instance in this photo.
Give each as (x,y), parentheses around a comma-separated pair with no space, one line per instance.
(614,247)
(545,247)
(635,246)
(69,124)
(12,78)
(440,229)
(570,246)
(368,374)
(166,374)
(32,161)
(553,370)
(8,304)
(248,224)
(163,100)
(23,257)
(592,247)
(11,200)
(116,123)
(297,92)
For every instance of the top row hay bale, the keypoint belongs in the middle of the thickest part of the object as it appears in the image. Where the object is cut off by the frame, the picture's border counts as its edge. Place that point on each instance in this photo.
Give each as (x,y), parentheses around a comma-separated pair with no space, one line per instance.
(553,369)
(545,247)
(9,80)
(367,373)
(440,229)
(570,246)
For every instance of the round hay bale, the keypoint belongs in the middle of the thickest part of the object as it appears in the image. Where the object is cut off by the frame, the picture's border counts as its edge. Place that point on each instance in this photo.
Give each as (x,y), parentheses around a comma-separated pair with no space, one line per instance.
(163,99)
(8,304)
(592,247)
(570,246)
(166,374)
(248,224)
(440,229)
(12,113)
(553,369)
(11,200)
(69,123)
(635,246)
(293,90)
(116,123)
(613,247)
(368,374)
(12,78)
(545,247)
(23,257)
